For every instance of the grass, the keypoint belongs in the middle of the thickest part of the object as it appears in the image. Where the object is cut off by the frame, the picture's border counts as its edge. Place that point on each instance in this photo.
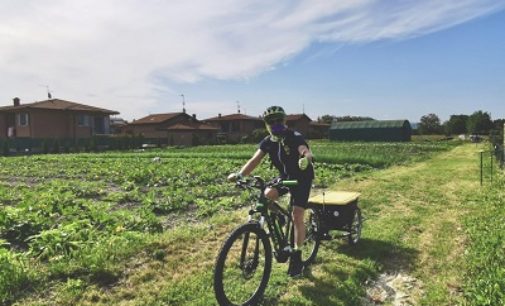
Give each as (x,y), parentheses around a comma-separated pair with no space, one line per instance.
(485,255)
(417,223)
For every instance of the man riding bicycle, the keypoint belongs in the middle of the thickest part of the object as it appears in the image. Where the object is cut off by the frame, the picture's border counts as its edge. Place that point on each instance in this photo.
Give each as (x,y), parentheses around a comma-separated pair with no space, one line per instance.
(290,154)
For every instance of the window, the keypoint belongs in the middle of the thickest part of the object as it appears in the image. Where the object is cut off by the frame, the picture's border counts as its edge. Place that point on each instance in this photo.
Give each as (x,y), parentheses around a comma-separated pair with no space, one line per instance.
(82,120)
(235,126)
(23,119)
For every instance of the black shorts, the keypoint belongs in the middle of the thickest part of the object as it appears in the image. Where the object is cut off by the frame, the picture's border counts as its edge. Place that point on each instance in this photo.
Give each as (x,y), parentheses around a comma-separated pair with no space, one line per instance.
(299,193)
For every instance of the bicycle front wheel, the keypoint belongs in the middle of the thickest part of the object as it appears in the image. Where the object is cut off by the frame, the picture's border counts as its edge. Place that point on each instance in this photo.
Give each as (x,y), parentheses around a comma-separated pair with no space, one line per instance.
(243,266)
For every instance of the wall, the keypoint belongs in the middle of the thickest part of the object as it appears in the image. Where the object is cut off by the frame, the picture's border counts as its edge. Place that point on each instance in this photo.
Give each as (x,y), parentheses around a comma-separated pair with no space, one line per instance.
(50,124)
(301,126)
(3,126)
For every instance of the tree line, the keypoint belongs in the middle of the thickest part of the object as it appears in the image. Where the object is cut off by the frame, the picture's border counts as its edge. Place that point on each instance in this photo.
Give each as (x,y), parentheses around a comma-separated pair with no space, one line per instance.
(478,123)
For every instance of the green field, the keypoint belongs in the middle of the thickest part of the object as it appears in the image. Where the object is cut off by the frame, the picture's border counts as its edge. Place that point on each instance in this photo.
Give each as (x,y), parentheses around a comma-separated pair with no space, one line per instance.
(120,228)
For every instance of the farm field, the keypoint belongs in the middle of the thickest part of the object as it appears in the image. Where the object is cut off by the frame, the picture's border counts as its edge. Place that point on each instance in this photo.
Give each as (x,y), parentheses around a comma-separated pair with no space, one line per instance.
(96,228)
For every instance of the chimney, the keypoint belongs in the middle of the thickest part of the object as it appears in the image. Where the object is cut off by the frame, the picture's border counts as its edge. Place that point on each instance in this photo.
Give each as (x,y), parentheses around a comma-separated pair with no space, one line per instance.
(16,101)
(219,115)
(194,116)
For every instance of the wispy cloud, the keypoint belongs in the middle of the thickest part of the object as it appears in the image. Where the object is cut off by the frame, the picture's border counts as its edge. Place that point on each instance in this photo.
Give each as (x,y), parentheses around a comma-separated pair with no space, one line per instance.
(114,53)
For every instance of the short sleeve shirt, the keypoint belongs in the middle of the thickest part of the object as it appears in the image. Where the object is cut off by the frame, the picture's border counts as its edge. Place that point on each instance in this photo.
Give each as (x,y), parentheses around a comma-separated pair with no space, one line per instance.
(284,155)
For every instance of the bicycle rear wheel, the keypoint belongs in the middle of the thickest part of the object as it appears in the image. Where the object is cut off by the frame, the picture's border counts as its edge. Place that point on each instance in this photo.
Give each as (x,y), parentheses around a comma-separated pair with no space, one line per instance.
(355,227)
(243,266)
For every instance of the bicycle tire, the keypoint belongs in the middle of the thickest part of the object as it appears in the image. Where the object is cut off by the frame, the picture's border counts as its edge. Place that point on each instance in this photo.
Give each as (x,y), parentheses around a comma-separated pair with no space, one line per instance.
(242,235)
(355,227)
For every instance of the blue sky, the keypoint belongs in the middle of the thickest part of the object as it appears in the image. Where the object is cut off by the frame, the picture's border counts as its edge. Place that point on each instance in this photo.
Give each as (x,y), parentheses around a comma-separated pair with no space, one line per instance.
(453,71)
(385,59)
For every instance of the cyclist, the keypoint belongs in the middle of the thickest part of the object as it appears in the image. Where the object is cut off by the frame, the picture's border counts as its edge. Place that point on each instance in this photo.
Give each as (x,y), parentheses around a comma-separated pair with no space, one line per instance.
(290,154)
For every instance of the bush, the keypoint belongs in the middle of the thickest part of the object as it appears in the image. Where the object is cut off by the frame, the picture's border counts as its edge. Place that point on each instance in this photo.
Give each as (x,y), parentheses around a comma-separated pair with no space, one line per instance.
(5,148)
(258,134)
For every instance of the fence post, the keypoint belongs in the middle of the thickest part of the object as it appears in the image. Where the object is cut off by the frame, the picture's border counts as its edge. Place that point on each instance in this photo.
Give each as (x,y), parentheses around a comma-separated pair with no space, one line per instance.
(492,156)
(481,153)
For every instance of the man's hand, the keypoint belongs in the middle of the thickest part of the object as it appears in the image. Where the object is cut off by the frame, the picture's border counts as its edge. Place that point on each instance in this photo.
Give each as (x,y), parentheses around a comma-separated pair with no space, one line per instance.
(235,176)
(303,163)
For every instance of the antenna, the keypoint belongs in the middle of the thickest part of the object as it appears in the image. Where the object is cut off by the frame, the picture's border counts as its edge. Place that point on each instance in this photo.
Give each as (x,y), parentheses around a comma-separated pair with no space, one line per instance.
(183,103)
(49,96)
(303,108)
(238,106)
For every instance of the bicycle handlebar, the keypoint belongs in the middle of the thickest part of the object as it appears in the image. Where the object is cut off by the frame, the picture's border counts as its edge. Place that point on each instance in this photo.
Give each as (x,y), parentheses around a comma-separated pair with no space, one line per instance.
(259,183)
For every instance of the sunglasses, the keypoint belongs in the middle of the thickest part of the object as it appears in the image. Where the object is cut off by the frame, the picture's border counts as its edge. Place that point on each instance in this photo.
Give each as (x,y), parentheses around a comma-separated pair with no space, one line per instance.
(275,120)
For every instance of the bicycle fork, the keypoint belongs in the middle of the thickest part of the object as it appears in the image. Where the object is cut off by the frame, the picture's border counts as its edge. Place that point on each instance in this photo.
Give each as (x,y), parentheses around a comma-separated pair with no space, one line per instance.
(248,265)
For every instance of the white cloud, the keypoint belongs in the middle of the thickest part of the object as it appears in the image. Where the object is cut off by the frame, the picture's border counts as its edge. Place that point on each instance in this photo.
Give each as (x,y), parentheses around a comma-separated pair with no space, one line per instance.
(113,53)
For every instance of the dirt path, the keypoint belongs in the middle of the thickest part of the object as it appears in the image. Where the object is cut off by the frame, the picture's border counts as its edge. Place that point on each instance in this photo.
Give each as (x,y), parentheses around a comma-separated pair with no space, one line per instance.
(413,236)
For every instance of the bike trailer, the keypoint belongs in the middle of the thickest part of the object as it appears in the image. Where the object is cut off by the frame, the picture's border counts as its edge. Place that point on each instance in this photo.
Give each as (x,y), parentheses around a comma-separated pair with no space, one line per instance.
(336,209)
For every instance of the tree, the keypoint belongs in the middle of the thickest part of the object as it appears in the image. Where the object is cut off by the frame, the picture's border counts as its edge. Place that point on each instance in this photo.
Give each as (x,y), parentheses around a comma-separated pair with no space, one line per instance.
(430,124)
(498,124)
(329,118)
(353,118)
(326,119)
(457,124)
(479,123)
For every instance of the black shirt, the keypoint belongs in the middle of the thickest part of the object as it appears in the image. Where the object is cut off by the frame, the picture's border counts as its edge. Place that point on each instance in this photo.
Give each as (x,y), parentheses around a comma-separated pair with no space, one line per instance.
(284,155)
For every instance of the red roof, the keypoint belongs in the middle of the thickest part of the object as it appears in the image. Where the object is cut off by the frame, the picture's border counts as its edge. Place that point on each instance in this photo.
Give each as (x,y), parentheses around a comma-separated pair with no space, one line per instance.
(57,104)
(234,117)
(295,117)
(156,118)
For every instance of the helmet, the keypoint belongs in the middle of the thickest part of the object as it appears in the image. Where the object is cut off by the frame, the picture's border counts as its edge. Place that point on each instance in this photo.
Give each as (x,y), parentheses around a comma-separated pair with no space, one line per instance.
(274,112)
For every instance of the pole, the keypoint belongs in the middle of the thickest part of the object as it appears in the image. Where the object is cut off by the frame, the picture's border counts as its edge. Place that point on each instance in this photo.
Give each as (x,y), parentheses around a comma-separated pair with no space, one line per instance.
(492,157)
(481,153)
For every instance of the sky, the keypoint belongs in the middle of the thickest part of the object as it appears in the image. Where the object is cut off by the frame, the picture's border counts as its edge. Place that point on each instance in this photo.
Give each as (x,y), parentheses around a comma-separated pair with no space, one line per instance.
(394,59)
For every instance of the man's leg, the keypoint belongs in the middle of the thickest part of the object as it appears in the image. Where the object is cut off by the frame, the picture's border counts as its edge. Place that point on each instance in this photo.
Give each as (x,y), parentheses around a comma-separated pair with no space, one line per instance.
(272,194)
(298,215)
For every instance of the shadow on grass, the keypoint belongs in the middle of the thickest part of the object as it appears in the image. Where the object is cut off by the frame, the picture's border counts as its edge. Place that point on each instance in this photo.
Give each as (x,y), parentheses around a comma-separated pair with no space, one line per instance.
(342,279)
(389,256)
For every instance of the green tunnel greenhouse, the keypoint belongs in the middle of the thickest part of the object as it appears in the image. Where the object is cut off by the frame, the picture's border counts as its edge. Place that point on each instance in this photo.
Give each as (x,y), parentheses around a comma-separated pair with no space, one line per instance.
(372,130)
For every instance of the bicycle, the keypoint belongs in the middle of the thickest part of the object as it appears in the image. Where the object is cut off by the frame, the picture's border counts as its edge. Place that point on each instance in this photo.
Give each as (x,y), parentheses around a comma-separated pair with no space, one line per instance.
(244,263)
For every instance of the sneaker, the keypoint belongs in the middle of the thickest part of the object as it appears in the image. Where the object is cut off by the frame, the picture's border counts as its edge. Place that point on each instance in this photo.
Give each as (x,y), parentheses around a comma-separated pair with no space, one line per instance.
(295,268)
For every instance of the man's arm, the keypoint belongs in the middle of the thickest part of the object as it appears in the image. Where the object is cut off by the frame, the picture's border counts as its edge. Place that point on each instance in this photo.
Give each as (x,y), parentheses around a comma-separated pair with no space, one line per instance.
(248,167)
(252,163)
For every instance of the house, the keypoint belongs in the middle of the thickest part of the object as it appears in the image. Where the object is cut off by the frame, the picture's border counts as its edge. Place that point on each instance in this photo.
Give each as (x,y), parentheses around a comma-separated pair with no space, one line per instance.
(299,122)
(117,125)
(371,130)
(173,129)
(318,130)
(53,118)
(235,126)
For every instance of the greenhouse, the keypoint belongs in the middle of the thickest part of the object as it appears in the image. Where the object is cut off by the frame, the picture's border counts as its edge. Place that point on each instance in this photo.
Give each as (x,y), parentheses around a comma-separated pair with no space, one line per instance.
(372,130)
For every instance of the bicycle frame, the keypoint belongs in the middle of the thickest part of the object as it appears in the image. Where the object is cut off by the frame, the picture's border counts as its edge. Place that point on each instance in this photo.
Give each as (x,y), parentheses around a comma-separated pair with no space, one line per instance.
(280,239)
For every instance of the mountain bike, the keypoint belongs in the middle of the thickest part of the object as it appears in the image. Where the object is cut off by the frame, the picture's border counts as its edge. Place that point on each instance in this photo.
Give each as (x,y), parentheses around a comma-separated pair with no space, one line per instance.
(244,263)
